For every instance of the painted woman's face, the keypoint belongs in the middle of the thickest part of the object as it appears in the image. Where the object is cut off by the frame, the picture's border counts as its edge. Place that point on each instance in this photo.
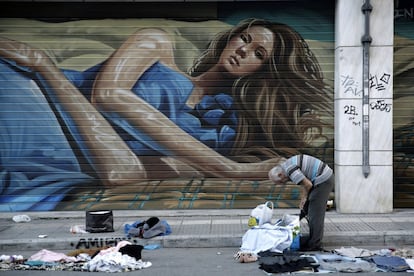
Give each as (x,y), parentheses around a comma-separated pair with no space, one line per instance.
(246,52)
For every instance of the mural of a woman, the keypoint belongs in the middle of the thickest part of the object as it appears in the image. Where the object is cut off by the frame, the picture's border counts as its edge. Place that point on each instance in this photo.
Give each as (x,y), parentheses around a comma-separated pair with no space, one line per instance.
(248,102)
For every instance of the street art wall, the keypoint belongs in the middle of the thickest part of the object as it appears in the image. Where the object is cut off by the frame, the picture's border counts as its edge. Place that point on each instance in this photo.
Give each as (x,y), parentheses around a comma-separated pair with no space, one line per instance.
(163,112)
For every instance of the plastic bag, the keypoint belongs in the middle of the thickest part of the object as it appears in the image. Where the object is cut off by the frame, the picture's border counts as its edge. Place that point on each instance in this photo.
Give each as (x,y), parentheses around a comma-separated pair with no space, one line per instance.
(261,214)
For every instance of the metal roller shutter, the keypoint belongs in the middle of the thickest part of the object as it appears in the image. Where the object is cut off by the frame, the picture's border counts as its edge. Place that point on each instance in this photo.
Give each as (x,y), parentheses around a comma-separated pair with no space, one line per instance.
(403,105)
(80,35)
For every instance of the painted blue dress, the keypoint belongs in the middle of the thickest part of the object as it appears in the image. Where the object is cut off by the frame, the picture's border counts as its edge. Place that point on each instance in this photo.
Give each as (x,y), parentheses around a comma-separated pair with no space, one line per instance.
(40,145)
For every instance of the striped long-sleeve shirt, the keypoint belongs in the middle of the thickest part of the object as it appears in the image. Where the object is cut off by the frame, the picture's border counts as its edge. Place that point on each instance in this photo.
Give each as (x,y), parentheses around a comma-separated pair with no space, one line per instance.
(300,166)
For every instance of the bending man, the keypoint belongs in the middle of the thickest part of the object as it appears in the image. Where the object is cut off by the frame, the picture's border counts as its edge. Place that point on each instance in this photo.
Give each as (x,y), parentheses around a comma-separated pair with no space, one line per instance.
(317,180)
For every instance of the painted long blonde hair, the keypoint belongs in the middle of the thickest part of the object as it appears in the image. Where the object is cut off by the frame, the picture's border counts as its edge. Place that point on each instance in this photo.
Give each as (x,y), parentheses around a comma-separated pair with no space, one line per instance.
(278,105)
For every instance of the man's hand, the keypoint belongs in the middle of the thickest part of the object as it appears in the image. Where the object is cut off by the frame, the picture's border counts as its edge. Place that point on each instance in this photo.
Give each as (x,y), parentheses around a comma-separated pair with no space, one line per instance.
(303,198)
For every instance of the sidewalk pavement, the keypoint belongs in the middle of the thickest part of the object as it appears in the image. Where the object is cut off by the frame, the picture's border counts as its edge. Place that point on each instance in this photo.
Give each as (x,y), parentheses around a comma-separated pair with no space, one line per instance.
(198,228)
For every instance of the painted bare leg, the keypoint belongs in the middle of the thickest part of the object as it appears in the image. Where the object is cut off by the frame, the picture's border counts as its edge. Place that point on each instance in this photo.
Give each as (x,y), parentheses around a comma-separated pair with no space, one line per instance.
(114,162)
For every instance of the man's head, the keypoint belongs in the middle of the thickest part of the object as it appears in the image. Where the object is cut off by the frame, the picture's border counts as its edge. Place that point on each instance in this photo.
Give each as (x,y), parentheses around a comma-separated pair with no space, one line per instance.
(277,175)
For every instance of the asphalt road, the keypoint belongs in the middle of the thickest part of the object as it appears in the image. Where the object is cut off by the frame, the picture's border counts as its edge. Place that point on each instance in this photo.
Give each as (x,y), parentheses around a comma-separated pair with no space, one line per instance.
(184,262)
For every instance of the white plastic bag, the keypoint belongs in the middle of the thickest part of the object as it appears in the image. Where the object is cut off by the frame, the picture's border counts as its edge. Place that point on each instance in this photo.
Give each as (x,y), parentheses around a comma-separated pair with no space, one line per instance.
(261,214)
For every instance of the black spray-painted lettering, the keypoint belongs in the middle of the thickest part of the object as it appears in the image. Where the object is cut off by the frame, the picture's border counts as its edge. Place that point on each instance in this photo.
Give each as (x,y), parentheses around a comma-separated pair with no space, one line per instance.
(352,113)
(381,106)
(379,83)
(101,242)
(350,110)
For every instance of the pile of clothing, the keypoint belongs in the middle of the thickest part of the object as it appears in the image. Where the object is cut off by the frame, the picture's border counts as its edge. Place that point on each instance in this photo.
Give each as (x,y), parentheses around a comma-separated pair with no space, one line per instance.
(125,256)
(345,260)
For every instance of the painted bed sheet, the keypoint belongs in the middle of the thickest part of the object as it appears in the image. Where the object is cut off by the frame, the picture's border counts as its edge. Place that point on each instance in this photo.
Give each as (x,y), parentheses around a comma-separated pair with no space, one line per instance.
(38,163)
(38,166)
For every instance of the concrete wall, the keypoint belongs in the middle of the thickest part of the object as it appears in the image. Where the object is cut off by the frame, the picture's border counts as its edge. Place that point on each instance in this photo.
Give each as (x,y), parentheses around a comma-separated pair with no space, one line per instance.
(363,186)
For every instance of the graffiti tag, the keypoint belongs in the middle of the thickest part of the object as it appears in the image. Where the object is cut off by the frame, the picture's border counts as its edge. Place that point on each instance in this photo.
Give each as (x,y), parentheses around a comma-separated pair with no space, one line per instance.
(380,105)
(379,83)
(352,113)
(101,242)
(350,85)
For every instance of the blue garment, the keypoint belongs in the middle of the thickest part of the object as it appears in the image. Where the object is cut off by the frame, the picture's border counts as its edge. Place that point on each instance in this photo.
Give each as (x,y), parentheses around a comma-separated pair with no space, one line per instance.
(37,164)
(38,137)
(213,121)
(128,228)
(391,263)
(338,263)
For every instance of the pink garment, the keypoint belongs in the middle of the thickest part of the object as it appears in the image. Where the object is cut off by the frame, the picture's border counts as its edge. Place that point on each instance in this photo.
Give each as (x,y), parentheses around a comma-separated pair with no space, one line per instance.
(50,256)
(114,248)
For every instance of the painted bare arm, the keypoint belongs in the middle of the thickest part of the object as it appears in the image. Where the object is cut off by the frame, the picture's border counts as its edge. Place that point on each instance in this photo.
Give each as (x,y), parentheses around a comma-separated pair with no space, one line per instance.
(112,93)
(179,143)
(113,161)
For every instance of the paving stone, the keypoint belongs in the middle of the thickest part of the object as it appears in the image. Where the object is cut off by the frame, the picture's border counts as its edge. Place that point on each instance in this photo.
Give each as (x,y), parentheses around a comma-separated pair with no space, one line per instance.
(199,228)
